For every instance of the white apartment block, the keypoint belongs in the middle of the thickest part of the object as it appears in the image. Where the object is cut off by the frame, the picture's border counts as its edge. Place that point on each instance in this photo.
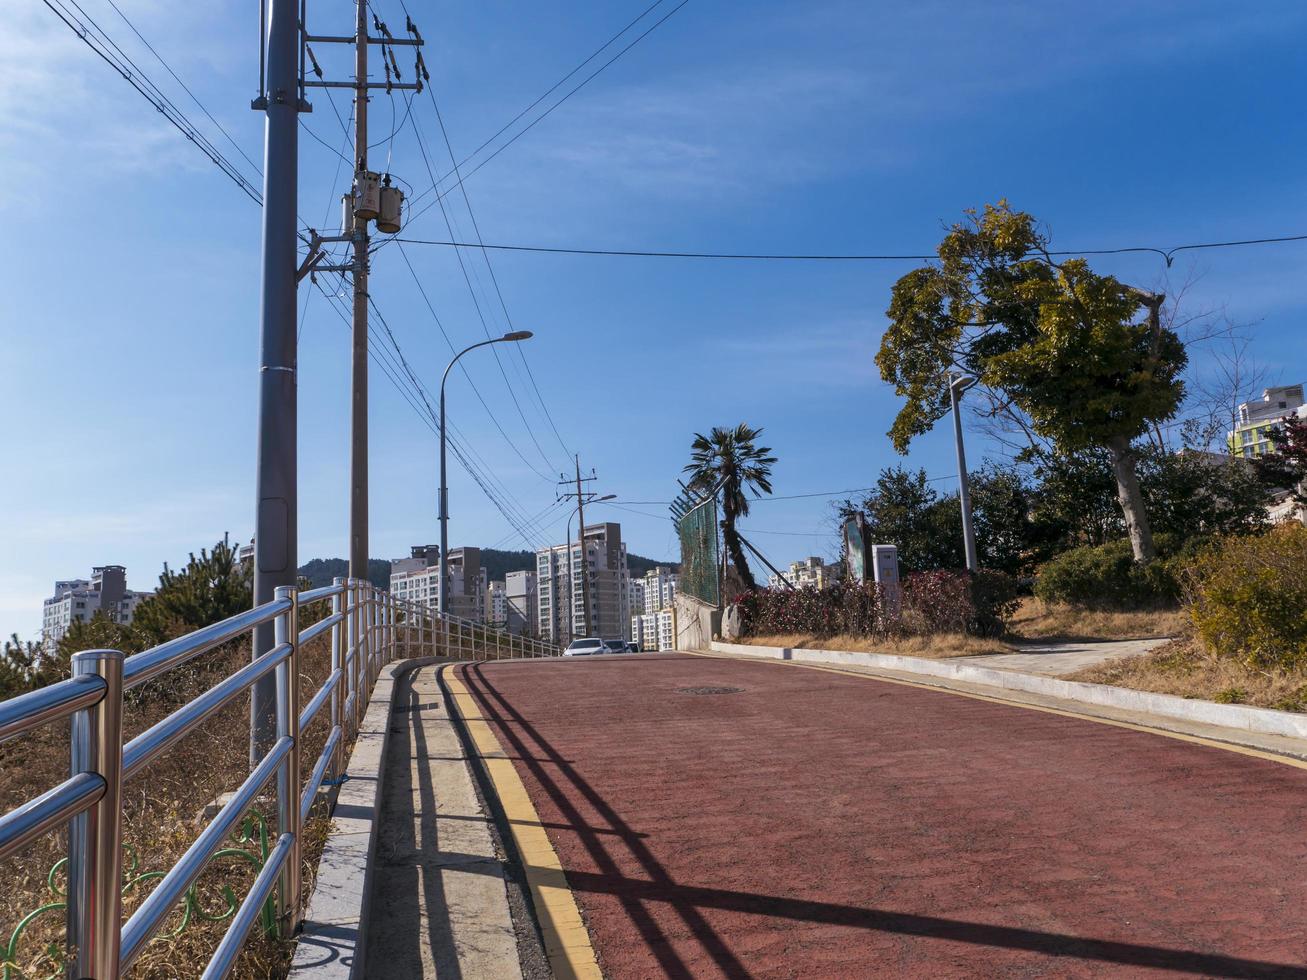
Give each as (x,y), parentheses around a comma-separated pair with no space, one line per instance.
(417,579)
(522,613)
(809,572)
(77,600)
(637,598)
(655,631)
(560,590)
(496,604)
(659,590)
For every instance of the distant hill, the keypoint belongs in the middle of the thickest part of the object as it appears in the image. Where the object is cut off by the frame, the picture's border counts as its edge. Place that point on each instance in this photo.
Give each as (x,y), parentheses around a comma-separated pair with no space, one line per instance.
(497,563)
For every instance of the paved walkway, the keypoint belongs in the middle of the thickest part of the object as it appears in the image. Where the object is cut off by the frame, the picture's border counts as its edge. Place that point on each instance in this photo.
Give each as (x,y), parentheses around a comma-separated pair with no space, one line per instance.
(1056,659)
(735,818)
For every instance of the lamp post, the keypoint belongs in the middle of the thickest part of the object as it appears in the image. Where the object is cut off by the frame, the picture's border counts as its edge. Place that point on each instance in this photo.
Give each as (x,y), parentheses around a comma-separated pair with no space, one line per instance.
(592,499)
(508,338)
(957,384)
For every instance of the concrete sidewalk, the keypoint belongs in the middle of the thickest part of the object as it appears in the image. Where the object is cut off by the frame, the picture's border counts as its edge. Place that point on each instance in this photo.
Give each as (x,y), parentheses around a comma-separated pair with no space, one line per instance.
(1057,659)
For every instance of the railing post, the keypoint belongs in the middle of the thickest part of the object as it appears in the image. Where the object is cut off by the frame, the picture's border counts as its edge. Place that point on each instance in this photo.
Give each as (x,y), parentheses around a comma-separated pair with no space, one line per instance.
(95,909)
(365,651)
(339,643)
(286,629)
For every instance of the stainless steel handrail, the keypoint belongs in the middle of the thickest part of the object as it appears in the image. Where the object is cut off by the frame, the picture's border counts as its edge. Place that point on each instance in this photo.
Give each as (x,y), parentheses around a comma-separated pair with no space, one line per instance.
(151,663)
(47,704)
(147,746)
(152,912)
(51,809)
(368,629)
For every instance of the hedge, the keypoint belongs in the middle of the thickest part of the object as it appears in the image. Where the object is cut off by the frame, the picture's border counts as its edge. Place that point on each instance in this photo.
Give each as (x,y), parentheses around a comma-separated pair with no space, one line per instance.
(930,602)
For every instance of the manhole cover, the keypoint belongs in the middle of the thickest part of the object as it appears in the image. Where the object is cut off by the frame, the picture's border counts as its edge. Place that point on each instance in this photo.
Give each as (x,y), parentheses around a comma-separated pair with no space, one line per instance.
(709,690)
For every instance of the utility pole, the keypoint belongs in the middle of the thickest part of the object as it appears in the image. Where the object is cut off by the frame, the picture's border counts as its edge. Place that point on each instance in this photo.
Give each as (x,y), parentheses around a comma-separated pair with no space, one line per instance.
(275,535)
(580,496)
(358,419)
(369,201)
(957,384)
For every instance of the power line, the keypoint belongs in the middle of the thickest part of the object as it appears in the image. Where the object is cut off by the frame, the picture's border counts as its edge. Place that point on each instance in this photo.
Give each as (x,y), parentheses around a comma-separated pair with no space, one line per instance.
(1167,254)
(467,201)
(477,303)
(436,183)
(86,29)
(176,78)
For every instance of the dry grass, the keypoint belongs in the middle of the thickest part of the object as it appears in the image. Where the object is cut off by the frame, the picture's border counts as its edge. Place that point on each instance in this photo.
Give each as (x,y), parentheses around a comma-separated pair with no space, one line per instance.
(1037,620)
(935,647)
(160,809)
(1182,667)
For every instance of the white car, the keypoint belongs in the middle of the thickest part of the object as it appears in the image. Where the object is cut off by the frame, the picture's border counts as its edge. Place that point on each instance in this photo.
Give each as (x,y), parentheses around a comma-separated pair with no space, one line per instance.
(585,648)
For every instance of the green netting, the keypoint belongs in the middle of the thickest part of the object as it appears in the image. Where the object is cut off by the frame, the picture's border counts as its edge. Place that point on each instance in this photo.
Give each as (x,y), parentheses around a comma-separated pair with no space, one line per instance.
(698,533)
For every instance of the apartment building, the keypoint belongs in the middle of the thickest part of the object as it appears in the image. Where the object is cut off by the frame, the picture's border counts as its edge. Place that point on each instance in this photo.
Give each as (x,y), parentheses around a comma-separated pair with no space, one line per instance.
(417,579)
(496,604)
(655,631)
(560,590)
(522,614)
(1252,434)
(659,590)
(809,572)
(77,600)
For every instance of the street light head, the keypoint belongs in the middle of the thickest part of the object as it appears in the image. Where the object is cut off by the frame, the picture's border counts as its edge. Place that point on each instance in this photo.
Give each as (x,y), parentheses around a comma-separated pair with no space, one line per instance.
(609,496)
(518,335)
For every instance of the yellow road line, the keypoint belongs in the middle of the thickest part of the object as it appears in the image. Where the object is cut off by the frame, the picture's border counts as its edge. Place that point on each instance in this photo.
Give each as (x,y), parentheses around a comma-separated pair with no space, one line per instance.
(1132,726)
(567,943)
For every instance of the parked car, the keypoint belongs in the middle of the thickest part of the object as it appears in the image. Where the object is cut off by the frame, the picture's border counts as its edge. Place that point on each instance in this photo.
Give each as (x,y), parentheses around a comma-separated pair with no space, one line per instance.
(633,647)
(586,647)
(614,646)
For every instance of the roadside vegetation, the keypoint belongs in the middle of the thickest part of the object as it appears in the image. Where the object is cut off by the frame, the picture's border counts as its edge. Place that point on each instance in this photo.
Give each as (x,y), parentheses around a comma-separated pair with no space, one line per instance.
(1116,511)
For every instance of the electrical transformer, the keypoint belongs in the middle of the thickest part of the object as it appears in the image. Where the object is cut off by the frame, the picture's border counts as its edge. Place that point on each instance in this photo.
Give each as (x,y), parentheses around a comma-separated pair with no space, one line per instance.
(367,195)
(392,203)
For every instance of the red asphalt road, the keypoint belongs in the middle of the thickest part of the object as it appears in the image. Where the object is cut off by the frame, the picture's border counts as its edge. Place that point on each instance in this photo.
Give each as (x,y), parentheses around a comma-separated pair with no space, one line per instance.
(818,824)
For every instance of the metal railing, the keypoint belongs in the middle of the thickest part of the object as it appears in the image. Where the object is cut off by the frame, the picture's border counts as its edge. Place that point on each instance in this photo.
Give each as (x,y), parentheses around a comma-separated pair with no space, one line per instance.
(369,628)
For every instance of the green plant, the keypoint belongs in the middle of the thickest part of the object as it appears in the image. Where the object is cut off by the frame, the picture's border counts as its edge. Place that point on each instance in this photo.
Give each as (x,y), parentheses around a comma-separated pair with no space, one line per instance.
(1051,341)
(994,600)
(1106,577)
(1248,597)
(1231,695)
(731,458)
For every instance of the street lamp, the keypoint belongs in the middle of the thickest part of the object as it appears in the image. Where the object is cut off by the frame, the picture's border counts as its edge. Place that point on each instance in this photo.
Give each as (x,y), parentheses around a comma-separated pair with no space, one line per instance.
(585,598)
(508,338)
(957,384)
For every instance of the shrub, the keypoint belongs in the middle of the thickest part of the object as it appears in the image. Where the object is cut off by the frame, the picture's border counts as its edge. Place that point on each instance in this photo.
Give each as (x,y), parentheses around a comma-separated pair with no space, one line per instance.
(994,597)
(1248,597)
(844,608)
(1107,576)
(937,602)
(931,602)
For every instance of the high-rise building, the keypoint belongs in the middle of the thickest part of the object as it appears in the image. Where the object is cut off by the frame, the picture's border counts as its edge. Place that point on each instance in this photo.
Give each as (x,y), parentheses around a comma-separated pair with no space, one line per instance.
(77,600)
(1252,433)
(522,612)
(659,590)
(637,598)
(417,579)
(655,631)
(496,604)
(561,592)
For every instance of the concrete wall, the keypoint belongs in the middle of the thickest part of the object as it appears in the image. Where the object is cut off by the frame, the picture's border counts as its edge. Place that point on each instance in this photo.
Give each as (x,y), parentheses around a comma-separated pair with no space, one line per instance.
(697,623)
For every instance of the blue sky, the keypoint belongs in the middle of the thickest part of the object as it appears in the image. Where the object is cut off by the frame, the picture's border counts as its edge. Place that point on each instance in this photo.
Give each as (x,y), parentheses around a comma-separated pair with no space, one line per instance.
(130,322)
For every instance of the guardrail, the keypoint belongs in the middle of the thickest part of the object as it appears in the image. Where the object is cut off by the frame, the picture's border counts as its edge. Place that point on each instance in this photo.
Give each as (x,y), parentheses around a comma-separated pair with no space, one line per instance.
(369,628)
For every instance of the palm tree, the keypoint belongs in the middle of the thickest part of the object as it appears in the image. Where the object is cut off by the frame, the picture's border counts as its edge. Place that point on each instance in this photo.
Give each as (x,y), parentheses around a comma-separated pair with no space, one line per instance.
(731,458)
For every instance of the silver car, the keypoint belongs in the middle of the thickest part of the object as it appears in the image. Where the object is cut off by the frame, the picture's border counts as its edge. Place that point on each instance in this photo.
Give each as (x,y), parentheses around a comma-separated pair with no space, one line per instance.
(585,647)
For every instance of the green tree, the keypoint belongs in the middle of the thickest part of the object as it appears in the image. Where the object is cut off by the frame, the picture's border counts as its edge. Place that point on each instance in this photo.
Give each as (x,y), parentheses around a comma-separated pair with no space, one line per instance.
(1053,338)
(731,458)
(25,666)
(209,589)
